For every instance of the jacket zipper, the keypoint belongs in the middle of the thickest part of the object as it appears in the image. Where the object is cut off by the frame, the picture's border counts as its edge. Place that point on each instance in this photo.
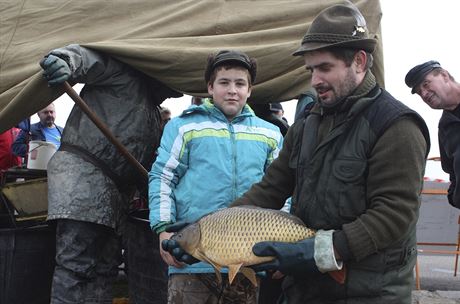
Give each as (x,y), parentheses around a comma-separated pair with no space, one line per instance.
(234,169)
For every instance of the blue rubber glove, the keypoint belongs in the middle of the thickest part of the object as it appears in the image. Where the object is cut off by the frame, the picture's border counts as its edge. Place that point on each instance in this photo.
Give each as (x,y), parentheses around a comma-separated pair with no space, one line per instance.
(173,247)
(55,70)
(295,259)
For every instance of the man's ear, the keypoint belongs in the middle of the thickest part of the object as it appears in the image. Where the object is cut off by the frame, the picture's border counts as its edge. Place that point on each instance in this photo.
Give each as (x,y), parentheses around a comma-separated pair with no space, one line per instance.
(360,61)
(445,75)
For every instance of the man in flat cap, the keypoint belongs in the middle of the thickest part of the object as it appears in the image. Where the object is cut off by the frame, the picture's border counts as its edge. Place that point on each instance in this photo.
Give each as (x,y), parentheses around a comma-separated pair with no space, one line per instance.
(439,90)
(354,168)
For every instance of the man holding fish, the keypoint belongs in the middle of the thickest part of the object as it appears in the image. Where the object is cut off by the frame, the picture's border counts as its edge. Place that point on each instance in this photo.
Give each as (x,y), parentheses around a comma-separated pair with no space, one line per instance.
(354,166)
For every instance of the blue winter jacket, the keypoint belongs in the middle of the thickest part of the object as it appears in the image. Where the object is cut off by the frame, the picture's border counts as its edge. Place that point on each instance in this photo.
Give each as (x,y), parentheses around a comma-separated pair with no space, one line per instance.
(19,146)
(205,162)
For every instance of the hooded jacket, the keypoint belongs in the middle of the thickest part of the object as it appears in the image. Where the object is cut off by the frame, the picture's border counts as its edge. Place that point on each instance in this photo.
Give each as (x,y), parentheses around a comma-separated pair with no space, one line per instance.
(205,162)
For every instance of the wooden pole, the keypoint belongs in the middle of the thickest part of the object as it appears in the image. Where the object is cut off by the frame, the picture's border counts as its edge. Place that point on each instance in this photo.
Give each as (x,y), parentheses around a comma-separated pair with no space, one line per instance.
(104,129)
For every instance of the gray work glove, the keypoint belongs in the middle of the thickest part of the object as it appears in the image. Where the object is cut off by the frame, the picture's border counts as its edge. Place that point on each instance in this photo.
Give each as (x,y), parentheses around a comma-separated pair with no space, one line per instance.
(55,70)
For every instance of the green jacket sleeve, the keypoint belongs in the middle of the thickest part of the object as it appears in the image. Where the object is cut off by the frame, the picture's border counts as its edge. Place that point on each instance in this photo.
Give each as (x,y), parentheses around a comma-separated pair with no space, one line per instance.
(395,181)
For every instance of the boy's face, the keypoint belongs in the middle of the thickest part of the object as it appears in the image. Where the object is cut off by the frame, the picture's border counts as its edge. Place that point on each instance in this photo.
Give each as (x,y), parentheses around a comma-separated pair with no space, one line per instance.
(230,90)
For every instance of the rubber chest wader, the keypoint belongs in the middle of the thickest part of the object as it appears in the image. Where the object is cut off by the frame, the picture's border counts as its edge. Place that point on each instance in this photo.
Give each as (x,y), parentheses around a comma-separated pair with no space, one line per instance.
(331,191)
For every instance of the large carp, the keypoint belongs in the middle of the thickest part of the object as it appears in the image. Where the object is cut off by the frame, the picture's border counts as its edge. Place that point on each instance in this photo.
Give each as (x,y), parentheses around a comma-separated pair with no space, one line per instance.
(226,237)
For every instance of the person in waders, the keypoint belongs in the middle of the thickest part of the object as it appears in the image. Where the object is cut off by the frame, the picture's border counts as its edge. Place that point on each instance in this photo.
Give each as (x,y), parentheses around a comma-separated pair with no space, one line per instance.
(90,183)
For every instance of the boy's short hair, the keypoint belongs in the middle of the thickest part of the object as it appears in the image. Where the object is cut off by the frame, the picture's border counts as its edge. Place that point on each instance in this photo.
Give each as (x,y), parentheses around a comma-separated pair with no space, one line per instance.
(230,58)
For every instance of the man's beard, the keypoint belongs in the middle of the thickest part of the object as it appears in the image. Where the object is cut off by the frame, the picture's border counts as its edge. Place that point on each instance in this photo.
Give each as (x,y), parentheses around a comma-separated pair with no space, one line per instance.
(49,122)
(341,92)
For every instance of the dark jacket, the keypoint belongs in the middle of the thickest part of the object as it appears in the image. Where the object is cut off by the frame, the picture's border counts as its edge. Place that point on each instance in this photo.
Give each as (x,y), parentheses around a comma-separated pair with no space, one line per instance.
(449,148)
(19,147)
(361,177)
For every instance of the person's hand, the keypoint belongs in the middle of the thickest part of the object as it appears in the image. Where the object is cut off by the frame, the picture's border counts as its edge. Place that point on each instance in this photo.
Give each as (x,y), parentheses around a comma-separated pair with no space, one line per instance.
(55,70)
(165,255)
(290,258)
(172,246)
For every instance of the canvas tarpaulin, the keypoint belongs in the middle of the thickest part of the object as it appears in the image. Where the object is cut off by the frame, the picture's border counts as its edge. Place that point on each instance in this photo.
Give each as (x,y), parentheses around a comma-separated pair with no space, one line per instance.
(167,40)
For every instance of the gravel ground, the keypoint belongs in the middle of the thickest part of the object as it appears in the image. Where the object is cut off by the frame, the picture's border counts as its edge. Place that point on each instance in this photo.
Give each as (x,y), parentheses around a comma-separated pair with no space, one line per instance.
(435,297)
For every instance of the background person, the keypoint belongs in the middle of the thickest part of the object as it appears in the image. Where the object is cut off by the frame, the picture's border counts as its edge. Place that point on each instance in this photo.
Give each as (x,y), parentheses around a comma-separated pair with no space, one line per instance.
(305,102)
(198,101)
(7,158)
(209,156)
(439,90)
(44,130)
(165,114)
(335,165)
(277,109)
(264,111)
(90,184)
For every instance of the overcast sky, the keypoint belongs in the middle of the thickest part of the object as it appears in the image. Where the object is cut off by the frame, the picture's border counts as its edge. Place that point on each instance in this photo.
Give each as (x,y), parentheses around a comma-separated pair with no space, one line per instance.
(413,31)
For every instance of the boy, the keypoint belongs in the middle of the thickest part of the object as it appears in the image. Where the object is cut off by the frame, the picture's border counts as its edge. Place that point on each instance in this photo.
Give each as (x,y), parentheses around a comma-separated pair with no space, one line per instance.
(209,156)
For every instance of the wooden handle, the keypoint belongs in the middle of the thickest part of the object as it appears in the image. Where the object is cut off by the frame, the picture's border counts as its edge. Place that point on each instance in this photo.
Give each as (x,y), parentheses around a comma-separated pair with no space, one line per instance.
(104,129)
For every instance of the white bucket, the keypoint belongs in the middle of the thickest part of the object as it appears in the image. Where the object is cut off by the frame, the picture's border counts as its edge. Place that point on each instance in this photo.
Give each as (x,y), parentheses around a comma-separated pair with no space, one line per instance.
(40,153)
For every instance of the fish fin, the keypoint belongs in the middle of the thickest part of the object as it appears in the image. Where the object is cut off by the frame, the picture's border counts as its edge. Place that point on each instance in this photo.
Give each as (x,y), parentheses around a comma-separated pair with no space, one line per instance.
(198,255)
(218,275)
(205,259)
(232,271)
(339,275)
(250,274)
(217,268)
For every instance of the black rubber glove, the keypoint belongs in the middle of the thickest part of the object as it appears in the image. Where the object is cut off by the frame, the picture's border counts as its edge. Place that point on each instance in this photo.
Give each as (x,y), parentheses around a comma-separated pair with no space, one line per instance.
(173,247)
(295,259)
(55,70)
(176,227)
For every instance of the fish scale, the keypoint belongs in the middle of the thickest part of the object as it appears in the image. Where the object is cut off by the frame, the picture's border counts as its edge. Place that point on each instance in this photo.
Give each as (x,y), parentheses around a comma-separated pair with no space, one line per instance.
(228,236)
(225,238)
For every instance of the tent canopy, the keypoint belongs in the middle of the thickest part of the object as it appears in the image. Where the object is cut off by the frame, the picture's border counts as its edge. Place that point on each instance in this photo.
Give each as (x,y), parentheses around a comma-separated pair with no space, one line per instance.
(167,40)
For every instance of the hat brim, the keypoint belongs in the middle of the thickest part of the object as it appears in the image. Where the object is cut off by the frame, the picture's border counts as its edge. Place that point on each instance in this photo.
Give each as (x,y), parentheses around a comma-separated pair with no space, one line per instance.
(361,44)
